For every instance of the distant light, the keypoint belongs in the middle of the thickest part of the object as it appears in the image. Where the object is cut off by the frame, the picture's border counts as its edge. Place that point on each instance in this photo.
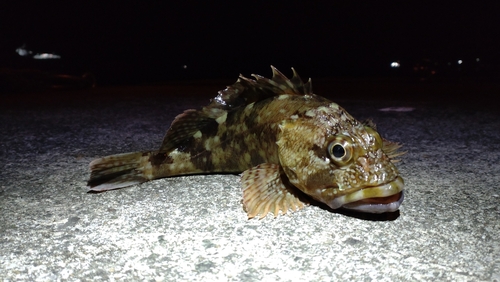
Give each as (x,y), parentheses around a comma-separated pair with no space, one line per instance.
(460,62)
(395,65)
(22,51)
(184,66)
(46,56)
(477,59)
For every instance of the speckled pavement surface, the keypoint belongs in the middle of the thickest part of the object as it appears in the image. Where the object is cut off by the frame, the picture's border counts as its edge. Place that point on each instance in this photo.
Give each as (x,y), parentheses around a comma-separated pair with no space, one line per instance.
(194,228)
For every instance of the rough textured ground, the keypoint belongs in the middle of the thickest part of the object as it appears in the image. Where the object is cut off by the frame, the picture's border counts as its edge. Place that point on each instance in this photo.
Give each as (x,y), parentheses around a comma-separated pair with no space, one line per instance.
(194,228)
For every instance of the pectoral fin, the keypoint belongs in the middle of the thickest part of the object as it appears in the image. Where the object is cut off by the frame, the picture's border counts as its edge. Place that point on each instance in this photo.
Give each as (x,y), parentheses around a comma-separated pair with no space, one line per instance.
(266,189)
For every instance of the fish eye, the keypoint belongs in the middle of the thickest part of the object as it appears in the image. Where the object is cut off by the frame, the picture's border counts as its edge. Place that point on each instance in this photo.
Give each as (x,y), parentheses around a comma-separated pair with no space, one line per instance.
(341,150)
(338,151)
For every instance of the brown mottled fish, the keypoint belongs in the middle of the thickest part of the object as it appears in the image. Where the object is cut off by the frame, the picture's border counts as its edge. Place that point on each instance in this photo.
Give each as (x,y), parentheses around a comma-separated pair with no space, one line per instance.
(289,143)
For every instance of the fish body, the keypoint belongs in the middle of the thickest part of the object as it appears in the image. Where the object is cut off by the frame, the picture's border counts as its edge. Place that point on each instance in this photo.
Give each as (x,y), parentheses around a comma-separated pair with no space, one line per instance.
(289,144)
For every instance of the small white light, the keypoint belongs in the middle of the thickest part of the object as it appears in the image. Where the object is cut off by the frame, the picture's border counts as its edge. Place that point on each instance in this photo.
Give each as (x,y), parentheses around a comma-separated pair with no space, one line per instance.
(22,51)
(477,59)
(184,66)
(460,62)
(395,65)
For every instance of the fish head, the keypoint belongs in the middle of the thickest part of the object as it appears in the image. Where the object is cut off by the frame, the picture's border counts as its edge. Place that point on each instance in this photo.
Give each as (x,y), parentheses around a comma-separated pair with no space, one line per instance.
(341,162)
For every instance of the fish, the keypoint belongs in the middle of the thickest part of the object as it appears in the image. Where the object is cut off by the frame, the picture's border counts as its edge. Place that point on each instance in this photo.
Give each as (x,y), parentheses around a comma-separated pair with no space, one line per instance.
(290,146)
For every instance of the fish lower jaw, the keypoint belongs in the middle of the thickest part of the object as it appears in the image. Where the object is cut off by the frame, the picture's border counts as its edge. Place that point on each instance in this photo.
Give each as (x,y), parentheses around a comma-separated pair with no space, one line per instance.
(384,198)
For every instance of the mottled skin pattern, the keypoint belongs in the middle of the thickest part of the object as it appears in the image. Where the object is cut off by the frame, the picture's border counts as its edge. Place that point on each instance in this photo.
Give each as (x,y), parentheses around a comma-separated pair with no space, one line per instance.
(245,139)
(282,137)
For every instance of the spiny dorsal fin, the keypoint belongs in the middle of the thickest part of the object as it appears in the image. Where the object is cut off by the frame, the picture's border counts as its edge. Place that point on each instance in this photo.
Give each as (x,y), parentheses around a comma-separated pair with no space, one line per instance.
(243,92)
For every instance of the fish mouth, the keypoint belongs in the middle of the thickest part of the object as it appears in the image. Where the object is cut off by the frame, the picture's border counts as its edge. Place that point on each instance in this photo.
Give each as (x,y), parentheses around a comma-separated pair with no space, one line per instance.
(384,198)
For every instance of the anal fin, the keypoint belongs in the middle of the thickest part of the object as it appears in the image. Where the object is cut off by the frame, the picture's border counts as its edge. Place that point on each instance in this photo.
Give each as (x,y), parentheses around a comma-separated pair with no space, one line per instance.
(266,189)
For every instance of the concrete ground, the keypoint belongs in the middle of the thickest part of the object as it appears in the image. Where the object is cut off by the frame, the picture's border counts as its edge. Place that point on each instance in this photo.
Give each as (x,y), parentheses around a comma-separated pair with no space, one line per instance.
(194,228)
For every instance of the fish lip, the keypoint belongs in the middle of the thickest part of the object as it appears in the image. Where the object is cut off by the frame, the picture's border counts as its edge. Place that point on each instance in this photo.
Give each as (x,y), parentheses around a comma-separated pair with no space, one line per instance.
(375,207)
(353,201)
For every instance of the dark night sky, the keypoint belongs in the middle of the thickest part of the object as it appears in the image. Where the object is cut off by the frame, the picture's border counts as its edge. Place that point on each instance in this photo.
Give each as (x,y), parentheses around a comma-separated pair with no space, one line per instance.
(154,39)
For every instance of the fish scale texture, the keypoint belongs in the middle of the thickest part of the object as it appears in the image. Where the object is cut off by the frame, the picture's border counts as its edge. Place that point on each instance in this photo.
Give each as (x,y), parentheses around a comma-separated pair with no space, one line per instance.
(194,228)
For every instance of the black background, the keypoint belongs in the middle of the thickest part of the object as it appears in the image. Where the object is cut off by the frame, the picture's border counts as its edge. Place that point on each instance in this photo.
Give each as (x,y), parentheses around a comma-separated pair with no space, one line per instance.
(152,41)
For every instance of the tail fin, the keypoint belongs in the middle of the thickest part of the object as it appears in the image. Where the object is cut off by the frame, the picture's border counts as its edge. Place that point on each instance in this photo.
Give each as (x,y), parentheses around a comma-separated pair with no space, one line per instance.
(119,171)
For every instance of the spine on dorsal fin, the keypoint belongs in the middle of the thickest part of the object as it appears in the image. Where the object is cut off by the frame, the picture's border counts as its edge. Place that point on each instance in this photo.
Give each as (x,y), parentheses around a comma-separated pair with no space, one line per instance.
(246,90)
(283,85)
